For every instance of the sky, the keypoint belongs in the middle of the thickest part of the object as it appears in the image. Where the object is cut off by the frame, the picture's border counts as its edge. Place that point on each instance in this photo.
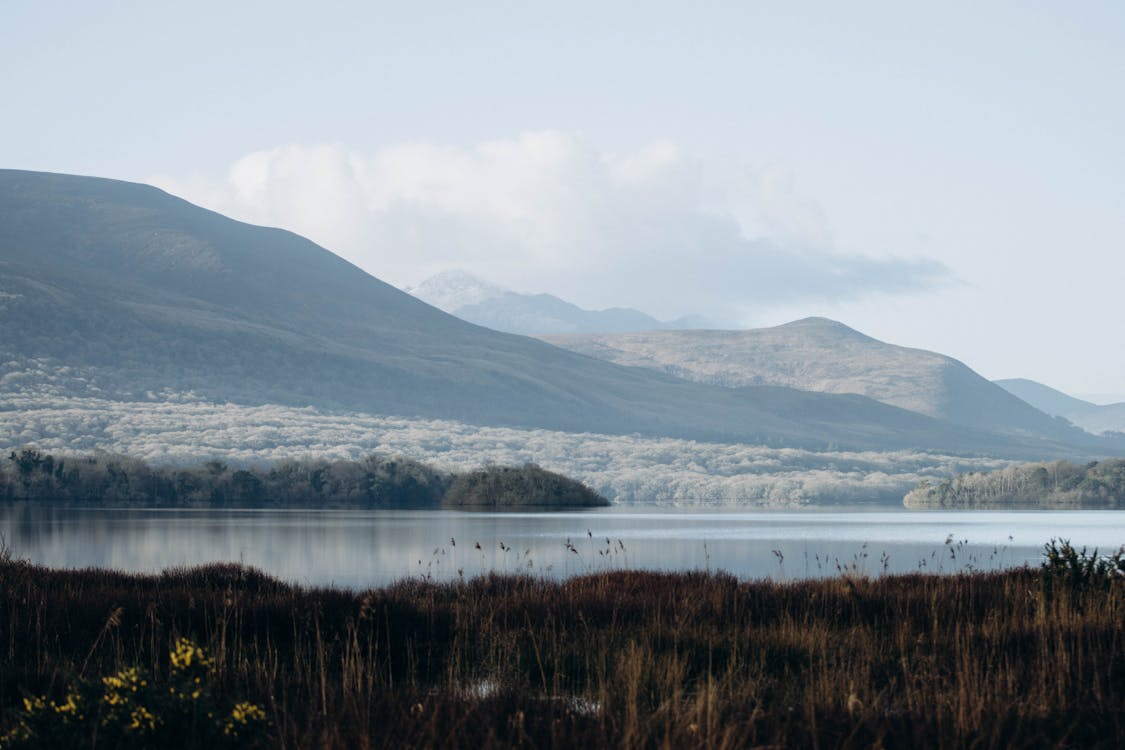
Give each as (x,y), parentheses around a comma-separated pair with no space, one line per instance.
(940,175)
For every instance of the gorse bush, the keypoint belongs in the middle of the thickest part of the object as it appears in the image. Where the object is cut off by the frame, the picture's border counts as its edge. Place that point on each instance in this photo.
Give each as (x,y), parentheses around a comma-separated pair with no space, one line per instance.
(128,709)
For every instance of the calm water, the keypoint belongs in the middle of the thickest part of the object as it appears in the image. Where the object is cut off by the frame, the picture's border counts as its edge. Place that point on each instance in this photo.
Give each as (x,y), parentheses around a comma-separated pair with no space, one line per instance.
(369,548)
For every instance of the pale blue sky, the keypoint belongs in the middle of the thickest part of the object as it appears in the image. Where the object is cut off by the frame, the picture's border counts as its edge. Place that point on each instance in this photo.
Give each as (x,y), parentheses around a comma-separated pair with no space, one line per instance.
(944,175)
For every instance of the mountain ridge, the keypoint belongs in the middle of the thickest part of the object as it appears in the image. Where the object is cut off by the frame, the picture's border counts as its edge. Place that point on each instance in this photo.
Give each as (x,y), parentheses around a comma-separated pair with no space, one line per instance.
(484,303)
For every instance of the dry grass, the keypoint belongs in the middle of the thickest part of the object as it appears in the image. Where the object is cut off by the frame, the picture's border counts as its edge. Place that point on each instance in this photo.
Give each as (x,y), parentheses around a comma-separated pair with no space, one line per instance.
(623,659)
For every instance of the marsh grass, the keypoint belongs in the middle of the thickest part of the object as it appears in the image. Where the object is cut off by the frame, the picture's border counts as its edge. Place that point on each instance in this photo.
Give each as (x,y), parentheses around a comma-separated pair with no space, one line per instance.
(609,659)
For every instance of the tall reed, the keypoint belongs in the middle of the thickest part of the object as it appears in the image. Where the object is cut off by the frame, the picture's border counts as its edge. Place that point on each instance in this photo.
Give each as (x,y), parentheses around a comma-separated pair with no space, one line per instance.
(616,659)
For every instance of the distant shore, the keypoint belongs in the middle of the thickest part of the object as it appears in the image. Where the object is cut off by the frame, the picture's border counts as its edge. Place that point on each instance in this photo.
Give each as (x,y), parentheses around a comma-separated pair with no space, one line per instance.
(1057,485)
(108,480)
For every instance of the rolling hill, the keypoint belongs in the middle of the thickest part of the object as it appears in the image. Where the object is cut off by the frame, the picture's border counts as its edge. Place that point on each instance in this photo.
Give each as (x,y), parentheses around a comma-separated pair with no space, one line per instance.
(822,355)
(122,291)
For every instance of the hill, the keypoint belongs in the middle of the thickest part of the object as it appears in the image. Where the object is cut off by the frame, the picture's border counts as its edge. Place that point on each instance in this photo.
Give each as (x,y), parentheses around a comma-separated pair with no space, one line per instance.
(486,304)
(1089,416)
(121,291)
(822,355)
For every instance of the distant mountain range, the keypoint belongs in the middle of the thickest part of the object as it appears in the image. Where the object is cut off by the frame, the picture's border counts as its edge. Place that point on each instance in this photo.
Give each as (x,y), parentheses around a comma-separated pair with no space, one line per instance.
(486,304)
(1096,418)
(818,354)
(815,354)
(121,291)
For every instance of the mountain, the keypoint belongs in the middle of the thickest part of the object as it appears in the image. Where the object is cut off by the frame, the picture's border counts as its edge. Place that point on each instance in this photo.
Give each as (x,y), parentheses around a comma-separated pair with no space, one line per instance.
(452,290)
(822,355)
(1096,418)
(122,291)
(486,304)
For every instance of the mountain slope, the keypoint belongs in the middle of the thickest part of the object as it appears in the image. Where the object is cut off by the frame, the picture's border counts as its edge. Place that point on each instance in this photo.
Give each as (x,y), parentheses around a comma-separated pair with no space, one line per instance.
(121,290)
(486,304)
(1089,416)
(822,355)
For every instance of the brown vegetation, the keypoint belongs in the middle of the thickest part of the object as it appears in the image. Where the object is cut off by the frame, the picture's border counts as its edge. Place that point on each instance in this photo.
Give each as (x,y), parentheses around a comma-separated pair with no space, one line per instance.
(626,659)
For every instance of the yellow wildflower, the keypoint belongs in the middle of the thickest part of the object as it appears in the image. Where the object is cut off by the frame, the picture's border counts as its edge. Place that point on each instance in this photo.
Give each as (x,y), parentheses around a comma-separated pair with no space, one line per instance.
(68,707)
(32,705)
(186,653)
(142,720)
(241,716)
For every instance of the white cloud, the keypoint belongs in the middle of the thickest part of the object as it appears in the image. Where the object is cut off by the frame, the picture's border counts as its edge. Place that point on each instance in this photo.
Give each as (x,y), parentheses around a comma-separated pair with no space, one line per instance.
(547,211)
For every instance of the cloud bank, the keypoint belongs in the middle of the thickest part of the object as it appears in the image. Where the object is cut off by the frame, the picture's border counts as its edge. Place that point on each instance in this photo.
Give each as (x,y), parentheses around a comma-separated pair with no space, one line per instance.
(547,211)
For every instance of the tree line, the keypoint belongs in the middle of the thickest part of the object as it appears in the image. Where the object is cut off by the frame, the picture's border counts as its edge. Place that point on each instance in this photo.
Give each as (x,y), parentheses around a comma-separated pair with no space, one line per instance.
(1059,484)
(372,482)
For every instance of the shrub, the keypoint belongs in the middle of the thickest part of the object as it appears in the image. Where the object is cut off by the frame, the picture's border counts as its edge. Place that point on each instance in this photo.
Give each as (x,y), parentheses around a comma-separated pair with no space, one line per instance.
(127,709)
(1076,572)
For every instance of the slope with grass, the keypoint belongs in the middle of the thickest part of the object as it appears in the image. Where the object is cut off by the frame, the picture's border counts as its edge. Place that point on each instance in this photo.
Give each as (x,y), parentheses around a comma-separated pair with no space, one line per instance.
(122,291)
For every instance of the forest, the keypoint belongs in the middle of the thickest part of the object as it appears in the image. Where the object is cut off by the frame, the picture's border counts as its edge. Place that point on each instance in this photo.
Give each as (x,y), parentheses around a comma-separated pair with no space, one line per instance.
(1058,484)
(372,482)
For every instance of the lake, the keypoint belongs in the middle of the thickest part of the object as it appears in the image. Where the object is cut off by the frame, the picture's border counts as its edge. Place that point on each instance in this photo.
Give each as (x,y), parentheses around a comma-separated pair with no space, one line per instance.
(362,548)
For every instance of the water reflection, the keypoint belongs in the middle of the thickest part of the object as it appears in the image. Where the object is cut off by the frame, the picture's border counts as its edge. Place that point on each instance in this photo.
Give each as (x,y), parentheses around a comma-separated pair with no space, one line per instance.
(357,549)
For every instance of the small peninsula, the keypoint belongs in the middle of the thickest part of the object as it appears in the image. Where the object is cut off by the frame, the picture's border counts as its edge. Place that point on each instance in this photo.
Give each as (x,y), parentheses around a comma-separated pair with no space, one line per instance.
(1058,485)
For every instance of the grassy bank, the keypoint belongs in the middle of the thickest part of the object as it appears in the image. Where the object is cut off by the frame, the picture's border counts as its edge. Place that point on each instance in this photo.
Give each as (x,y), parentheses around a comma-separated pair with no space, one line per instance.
(625,659)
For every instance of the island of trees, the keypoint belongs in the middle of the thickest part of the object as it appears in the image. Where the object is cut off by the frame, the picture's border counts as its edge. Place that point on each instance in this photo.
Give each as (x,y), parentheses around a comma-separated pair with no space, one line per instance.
(372,482)
(507,488)
(1055,485)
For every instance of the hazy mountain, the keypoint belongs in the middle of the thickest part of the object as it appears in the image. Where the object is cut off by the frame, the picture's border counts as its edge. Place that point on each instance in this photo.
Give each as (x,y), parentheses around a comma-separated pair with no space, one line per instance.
(122,291)
(818,354)
(1089,416)
(486,304)
(452,290)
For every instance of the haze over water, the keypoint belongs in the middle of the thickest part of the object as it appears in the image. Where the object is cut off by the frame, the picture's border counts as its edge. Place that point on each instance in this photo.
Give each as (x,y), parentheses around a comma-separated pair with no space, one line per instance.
(360,549)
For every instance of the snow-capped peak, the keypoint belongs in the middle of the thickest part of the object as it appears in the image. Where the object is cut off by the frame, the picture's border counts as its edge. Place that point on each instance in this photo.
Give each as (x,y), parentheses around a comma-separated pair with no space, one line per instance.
(451,290)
